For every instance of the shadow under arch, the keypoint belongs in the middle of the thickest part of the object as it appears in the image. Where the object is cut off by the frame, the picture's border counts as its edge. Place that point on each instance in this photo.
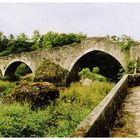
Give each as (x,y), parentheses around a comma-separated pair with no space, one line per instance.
(108,65)
(11,69)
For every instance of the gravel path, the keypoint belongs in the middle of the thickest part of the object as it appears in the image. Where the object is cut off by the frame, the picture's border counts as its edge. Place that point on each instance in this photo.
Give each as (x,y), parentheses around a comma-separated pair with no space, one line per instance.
(128,121)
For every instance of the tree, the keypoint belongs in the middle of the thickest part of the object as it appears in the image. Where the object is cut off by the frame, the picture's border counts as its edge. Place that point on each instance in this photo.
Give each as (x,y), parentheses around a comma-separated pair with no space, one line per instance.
(21,44)
(37,40)
(22,37)
(52,39)
(36,36)
(3,42)
(49,39)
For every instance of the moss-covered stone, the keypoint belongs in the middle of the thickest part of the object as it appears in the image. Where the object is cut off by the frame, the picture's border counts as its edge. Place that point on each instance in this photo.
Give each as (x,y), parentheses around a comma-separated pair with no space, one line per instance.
(38,94)
(50,72)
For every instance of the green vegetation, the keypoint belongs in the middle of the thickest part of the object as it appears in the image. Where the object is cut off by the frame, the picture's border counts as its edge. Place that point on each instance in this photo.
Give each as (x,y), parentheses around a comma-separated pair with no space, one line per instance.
(6,87)
(58,120)
(52,39)
(37,94)
(126,46)
(50,72)
(22,43)
(94,75)
(22,114)
(27,78)
(125,43)
(22,70)
(21,121)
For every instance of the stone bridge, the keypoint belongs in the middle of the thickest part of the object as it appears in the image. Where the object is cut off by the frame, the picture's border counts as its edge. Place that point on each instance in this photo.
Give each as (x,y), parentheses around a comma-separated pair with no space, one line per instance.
(66,56)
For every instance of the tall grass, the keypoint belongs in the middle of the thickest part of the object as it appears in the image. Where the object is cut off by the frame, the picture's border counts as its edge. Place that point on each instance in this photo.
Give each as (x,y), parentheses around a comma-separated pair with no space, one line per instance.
(58,120)
(6,87)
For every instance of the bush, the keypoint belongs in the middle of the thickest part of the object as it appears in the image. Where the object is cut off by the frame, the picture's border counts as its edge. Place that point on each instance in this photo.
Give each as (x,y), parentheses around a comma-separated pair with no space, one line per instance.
(38,94)
(50,72)
(98,77)
(4,53)
(86,73)
(96,70)
(86,95)
(6,87)
(21,121)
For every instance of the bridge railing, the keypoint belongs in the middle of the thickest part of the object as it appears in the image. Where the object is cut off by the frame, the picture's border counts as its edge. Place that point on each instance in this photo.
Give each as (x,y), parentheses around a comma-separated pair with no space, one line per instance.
(101,119)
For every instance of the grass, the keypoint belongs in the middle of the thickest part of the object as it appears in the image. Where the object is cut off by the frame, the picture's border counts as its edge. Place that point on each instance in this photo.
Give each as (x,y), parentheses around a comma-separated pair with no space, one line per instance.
(21,121)
(58,120)
(6,87)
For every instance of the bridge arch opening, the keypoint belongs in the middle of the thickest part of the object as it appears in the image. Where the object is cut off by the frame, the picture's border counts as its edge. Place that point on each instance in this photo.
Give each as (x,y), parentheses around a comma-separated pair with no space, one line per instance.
(108,65)
(16,69)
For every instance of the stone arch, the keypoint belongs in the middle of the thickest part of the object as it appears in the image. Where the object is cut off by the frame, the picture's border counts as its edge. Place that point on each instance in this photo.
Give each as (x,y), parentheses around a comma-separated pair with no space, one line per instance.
(88,55)
(111,53)
(11,68)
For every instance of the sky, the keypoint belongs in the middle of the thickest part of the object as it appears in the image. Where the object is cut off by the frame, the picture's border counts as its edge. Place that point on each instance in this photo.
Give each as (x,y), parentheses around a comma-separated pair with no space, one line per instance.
(93,19)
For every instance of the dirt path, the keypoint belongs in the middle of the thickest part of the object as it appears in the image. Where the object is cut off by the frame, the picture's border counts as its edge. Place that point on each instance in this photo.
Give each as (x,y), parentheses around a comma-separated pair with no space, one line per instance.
(128,121)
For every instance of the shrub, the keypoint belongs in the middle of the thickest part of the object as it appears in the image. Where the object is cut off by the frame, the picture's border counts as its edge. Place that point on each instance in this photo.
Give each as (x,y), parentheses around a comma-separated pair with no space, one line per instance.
(86,95)
(64,119)
(21,121)
(50,72)
(95,70)
(38,94)
(98,77)
(86,73)
(6,87)
(4,53)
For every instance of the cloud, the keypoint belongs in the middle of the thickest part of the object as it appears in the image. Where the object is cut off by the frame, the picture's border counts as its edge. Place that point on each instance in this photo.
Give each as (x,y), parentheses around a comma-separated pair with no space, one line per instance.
(94,19)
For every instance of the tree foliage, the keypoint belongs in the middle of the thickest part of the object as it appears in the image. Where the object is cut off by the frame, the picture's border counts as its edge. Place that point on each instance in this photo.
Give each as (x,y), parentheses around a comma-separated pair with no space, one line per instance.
(22,43)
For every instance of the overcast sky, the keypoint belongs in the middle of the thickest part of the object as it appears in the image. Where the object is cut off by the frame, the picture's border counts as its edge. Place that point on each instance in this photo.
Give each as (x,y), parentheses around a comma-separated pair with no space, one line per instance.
(98,19)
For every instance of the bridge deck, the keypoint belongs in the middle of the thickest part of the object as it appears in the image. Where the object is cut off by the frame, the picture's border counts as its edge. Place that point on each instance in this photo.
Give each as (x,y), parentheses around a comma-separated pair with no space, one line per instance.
(128,121)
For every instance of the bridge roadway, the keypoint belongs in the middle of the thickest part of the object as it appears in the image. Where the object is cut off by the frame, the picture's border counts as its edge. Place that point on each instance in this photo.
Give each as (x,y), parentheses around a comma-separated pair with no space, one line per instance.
(128,121)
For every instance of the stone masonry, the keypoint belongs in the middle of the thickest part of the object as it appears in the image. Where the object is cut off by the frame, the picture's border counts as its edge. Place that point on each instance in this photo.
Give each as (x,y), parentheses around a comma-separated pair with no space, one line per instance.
(65,56)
